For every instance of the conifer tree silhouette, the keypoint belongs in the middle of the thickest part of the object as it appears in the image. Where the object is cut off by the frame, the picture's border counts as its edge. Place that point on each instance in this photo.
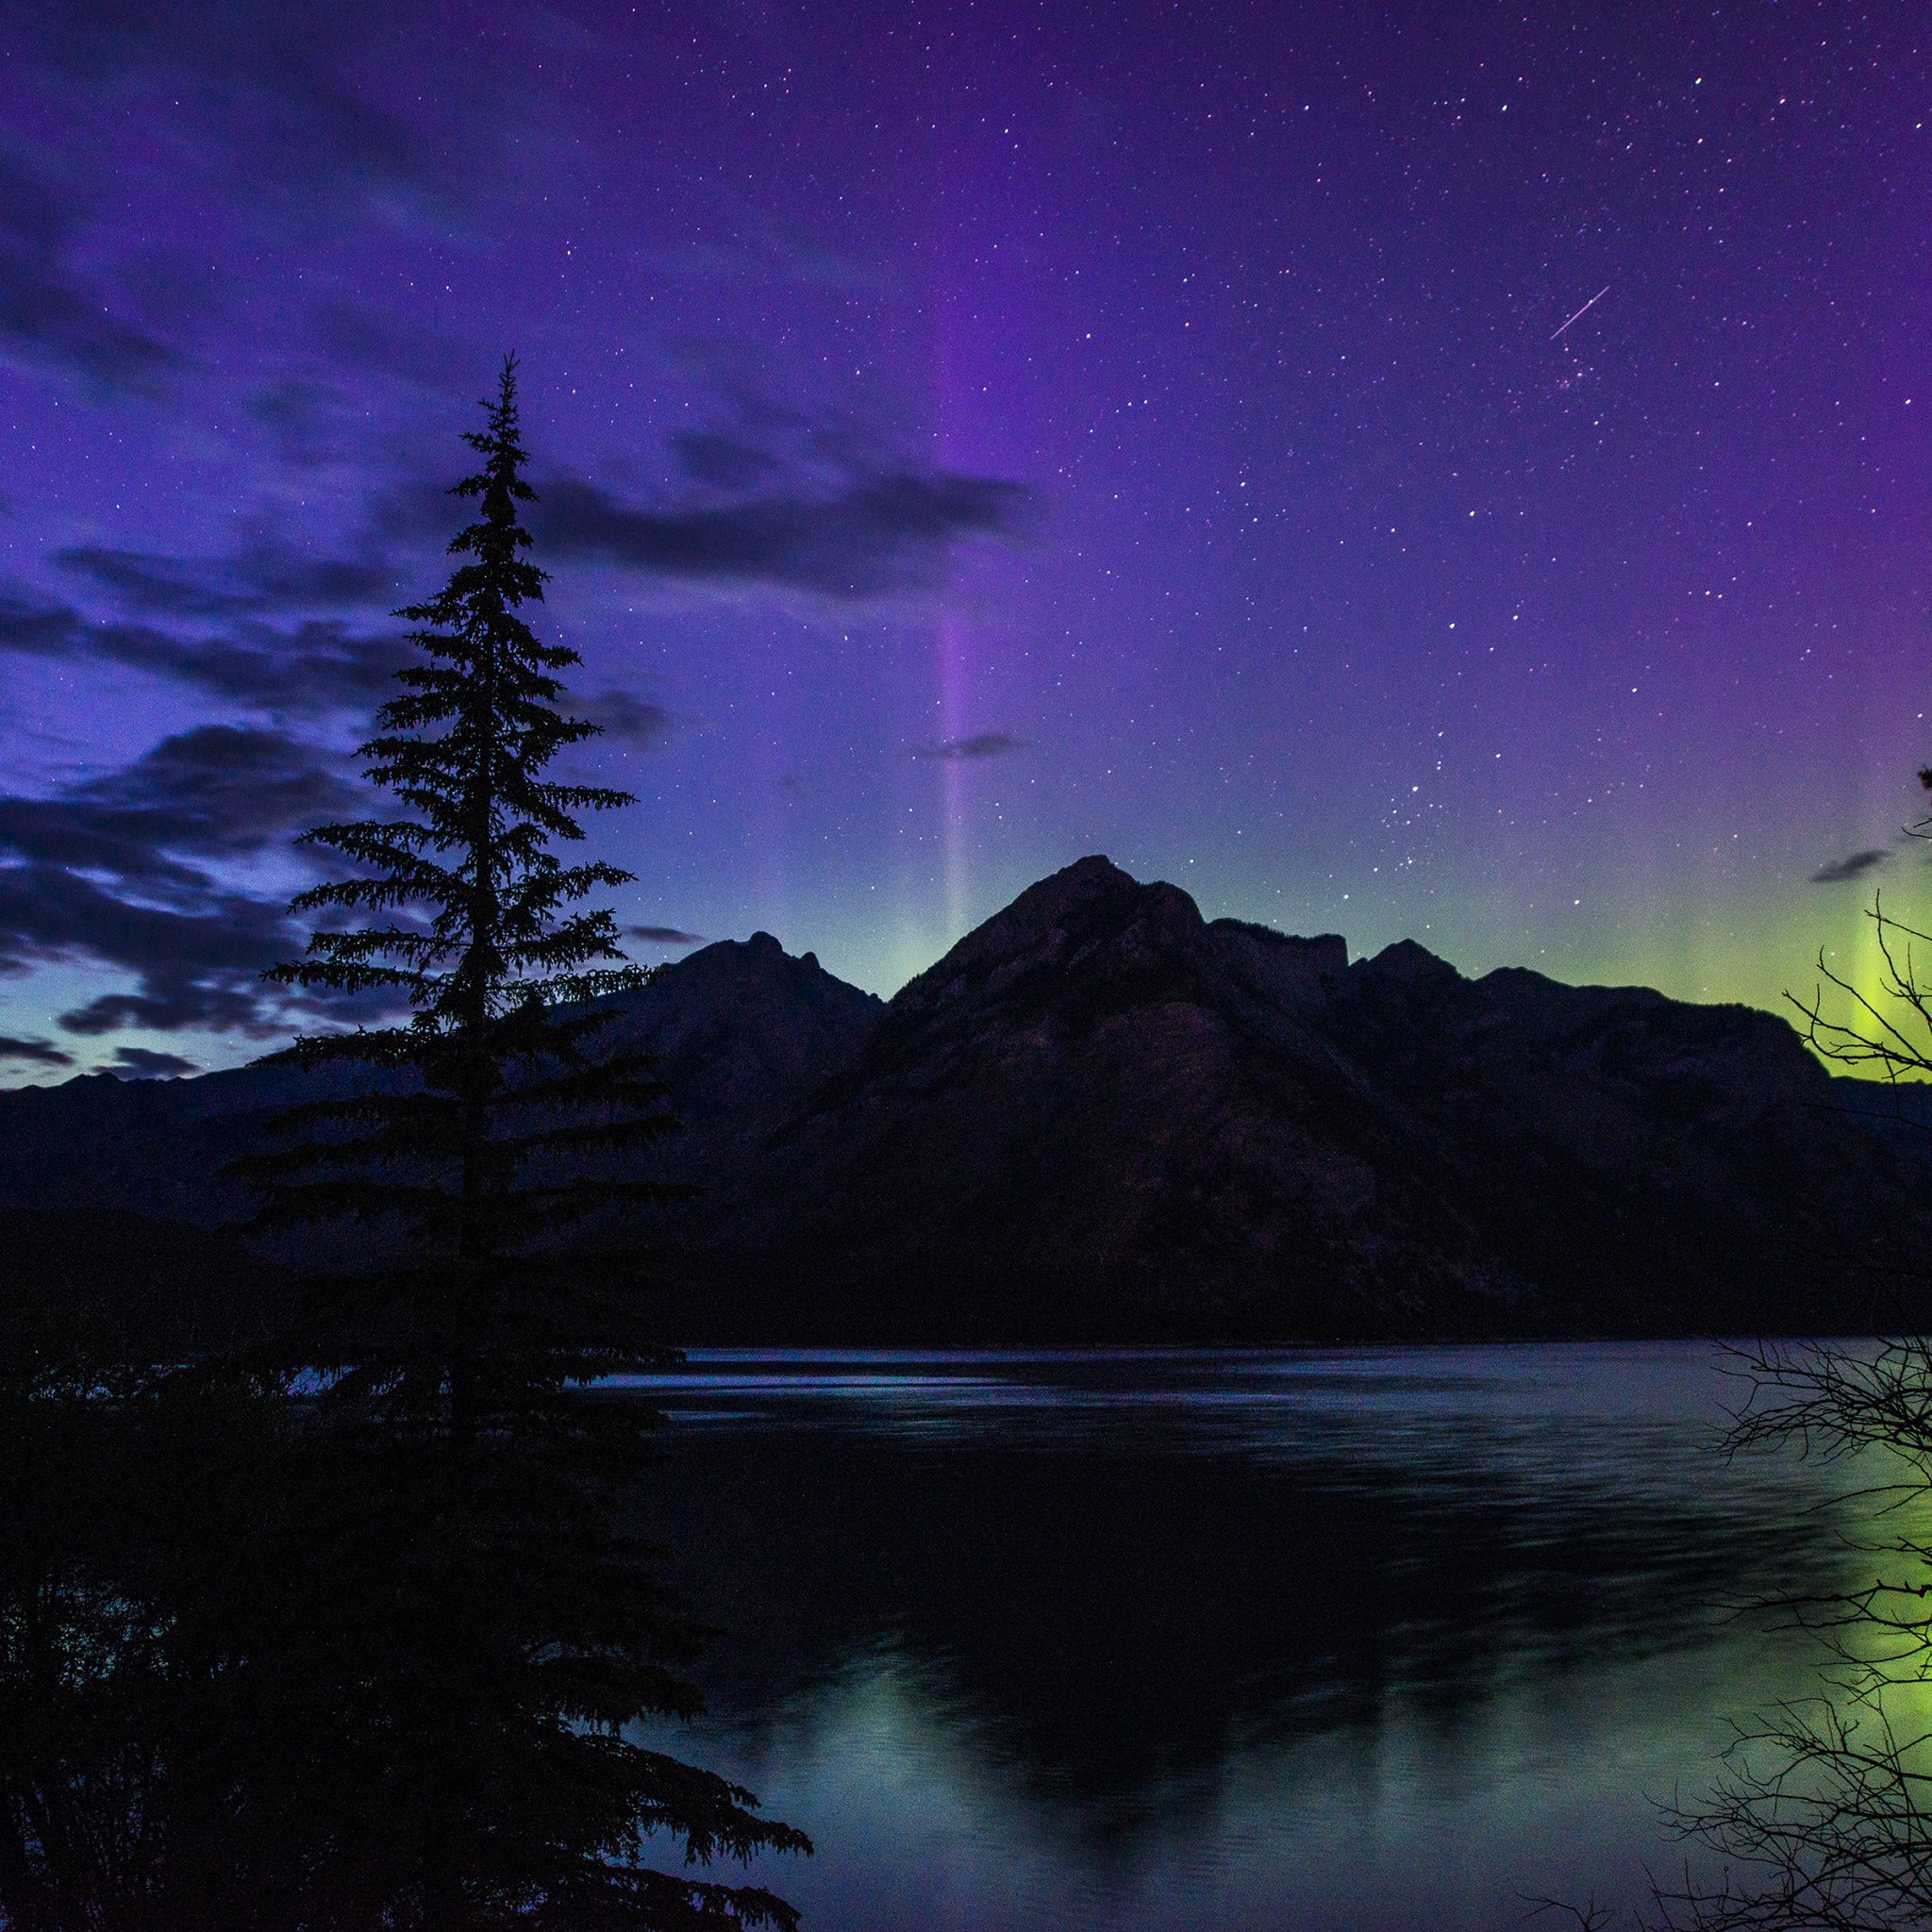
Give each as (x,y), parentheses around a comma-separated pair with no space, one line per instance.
(477,1152)
(469,1554)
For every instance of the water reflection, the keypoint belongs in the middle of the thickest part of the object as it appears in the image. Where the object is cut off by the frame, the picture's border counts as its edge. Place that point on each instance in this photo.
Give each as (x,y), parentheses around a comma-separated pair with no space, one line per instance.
(1360,1639)
(1353,1638)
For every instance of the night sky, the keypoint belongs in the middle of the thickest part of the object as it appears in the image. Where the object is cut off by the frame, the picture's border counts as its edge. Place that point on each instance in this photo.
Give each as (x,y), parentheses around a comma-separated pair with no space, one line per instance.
(1460,474)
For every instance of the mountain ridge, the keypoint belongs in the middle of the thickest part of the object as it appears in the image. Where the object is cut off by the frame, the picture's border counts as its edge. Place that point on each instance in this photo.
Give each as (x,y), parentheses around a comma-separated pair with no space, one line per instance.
(1103,1116)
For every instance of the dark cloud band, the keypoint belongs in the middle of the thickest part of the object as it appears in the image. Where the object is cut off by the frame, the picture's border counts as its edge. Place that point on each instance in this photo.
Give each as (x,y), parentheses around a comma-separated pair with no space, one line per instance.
(125,869)
(267,579)
(144,1063)
(305,671)
(882,534)
(33,1053)
(1855,866)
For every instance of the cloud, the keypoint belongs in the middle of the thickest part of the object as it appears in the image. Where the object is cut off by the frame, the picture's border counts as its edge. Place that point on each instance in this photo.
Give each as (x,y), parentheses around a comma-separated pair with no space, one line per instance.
(413,511)
(144,1063)
(309,669)
(664,936)
(316,667)
(217,792)
(122,869)
(875,535)
(40,631)
(249,627)
(198,964)
(254,108)
(314,421)
(265,76)
(725,463)
(982,744)
(1853,867)
(264,578)
(624,716)
(34,1053)
(761,252)
(48,311)
(364,337)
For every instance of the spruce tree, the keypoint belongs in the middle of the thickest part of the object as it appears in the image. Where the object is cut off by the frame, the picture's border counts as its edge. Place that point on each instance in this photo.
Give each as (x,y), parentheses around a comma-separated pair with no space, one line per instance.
(514,1628)
(472,1142)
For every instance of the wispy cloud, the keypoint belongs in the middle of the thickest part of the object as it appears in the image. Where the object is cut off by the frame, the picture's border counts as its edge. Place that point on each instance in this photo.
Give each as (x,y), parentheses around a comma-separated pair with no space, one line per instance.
(1854,866)
(304,670)
(982,744)
(360,336)
(664,936)
(34,1053)
(722,461)
(265,114)
(50,311)
(267,577)
(197,963)
(273,84)
(763,252)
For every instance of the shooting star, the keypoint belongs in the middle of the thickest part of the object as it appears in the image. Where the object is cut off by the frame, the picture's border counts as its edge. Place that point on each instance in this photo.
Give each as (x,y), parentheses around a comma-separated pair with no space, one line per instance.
(1586,308)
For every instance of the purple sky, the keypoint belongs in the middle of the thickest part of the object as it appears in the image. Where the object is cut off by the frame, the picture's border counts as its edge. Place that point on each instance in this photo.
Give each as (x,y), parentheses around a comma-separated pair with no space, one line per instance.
(974,436)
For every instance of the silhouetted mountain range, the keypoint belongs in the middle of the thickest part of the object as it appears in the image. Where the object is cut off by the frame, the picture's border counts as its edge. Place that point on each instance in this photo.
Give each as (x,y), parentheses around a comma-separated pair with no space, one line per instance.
(1101,1117)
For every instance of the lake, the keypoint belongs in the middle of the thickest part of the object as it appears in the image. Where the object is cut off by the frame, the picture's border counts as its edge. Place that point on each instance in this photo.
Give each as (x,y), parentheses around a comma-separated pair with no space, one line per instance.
(1341,1638)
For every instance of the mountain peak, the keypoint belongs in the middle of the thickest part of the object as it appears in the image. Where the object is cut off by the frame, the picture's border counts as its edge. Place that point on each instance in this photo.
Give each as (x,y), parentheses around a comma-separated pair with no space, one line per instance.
(1066,918)
(1406,963)
(1091,890)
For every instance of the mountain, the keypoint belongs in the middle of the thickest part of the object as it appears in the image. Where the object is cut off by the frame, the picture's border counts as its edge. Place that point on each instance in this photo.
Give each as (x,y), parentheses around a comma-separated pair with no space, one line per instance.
(1900,1113)
(111,1191)
(734,1024)
(1102,1117)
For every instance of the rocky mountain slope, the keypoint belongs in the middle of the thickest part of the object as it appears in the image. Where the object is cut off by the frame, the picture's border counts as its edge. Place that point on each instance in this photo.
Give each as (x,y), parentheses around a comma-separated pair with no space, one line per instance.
(1102,1117)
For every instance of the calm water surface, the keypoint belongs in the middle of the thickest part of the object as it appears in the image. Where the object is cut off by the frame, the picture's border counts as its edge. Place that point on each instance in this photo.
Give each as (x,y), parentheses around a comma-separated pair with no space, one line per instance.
(1341,1638)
